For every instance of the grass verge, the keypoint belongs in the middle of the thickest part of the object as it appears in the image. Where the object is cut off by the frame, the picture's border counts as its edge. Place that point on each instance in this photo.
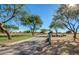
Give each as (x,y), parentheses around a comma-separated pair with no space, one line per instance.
(3,39)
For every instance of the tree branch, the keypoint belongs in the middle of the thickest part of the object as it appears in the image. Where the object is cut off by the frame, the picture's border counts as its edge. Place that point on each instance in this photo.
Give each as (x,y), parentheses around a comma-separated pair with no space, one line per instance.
(13,15)
(77,28)
(9,18)
(67,27)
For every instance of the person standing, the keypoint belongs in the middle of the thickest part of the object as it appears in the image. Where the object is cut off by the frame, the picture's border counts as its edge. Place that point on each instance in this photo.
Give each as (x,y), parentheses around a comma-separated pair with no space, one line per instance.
(49,37)
(48,40)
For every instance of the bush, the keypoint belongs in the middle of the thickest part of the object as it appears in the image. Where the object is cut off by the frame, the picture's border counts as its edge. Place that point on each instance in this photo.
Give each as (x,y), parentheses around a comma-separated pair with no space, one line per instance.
(28,31)
(68,32)
(43,30)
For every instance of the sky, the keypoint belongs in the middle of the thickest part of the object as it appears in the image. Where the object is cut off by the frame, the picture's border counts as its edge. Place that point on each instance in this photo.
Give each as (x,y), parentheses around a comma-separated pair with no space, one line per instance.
(45,11)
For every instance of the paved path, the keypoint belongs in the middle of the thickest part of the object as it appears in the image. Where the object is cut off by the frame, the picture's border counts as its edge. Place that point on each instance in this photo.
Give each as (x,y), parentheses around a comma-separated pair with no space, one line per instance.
(37,46)
(19,47)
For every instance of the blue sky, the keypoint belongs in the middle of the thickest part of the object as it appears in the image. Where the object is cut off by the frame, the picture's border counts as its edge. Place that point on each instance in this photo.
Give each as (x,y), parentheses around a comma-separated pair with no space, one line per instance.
(45,11)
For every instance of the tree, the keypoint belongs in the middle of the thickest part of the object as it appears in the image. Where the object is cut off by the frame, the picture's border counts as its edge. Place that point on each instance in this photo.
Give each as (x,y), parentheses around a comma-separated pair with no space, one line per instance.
(11,27)
(43,30)
(33,22)
(8,13)
(69,17)
(56,25)
(27,31)
(68,32)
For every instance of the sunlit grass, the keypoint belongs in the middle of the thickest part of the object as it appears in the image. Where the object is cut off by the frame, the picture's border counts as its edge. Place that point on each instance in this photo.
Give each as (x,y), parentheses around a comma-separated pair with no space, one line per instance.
(3,39)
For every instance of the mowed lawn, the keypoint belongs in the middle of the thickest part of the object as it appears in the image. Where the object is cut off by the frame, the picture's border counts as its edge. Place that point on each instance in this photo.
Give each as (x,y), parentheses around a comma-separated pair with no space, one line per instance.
(15,37)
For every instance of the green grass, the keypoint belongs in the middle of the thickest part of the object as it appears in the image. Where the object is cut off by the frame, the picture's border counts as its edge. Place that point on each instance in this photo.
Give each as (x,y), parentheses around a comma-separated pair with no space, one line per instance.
(3,38)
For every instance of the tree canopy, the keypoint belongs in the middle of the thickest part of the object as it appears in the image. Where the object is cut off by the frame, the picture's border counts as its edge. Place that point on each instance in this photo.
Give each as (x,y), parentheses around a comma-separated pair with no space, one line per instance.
(32,21)
(69,17)
(8,12)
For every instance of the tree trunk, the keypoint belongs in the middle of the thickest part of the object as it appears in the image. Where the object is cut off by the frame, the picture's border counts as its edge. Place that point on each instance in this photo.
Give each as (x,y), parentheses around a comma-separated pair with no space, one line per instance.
(4,30)
(33,30)
(56,32)
(33,33)
(74,36)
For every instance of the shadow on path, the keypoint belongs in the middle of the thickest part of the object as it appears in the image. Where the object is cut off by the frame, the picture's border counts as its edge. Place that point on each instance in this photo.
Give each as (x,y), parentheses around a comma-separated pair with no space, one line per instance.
(39,47)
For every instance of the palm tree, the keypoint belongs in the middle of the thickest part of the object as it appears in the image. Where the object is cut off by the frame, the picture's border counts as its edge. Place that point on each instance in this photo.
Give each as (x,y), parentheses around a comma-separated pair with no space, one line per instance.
(33,22)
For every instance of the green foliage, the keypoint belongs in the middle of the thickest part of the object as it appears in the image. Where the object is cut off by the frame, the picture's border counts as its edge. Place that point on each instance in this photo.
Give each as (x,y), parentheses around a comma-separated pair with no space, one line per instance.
(44,30)
(33,22)
(70,15)
(67,11)
(11,12)
(11,27)
(55,24)
(28,31)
